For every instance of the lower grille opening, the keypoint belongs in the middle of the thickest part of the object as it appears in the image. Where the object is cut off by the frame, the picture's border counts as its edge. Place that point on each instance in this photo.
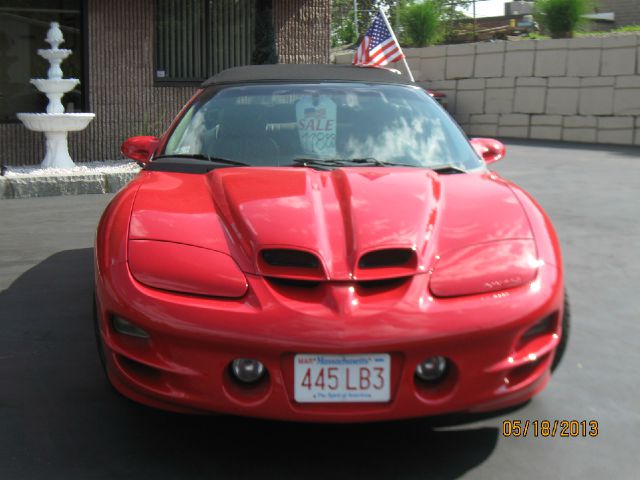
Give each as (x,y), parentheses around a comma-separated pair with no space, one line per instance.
(538,332)
(139,370)
(522,373)
(384,283)
(293,282)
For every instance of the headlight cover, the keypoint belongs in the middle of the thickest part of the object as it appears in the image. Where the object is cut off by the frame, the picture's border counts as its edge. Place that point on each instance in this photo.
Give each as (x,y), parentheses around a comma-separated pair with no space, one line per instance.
(185,268)
(485,267)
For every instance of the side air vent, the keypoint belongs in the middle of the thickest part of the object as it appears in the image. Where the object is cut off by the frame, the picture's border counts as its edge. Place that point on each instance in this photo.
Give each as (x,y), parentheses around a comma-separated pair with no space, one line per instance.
(391,257)
(290,258)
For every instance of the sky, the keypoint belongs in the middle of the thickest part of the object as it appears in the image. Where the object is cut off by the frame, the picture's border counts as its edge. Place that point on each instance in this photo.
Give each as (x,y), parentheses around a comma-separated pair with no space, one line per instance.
(488,8)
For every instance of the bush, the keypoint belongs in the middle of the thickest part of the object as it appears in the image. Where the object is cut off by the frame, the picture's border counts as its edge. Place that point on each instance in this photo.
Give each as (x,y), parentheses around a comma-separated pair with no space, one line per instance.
(343,33)
(561,18)
(421,23)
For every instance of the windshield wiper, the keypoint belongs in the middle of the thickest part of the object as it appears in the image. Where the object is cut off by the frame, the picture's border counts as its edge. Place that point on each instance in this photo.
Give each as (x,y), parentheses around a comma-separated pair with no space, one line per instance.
(330,162)
(208,158)
(397,164)
(346,162)
(444,168)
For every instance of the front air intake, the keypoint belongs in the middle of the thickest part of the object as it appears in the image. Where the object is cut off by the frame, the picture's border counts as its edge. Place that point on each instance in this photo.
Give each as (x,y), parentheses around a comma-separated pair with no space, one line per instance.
(290,258)
(290,263)
(391,257)
(386,263)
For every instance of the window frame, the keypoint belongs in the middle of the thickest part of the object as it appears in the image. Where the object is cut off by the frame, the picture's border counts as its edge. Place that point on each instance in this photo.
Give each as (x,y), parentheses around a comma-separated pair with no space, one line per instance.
(182,82)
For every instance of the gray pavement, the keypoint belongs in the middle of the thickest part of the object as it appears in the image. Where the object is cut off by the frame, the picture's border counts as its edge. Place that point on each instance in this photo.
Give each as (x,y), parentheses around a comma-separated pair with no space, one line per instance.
(59,418)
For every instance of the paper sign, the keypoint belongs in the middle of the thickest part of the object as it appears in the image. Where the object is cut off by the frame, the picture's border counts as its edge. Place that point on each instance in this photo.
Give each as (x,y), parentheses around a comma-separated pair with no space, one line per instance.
(316,118)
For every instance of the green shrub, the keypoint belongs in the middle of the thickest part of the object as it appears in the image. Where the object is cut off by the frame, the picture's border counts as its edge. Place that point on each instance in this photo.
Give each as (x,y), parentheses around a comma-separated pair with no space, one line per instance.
(625,29)
(343,32)
(421,23)
(561,18)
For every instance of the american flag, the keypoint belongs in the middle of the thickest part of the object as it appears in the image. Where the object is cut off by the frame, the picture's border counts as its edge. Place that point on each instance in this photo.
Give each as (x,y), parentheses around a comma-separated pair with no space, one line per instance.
(379,46)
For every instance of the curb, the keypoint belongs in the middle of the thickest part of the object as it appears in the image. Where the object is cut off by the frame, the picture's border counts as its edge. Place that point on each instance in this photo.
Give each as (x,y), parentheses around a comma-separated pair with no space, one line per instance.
(57,185)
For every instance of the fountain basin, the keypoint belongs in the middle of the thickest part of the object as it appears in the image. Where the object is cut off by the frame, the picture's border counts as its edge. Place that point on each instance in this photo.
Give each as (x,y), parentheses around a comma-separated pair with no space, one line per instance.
(54,54)
(56,122)
(61,85)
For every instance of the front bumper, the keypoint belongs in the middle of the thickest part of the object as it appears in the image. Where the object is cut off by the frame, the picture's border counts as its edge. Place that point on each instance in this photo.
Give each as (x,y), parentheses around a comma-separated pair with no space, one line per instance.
(183,366)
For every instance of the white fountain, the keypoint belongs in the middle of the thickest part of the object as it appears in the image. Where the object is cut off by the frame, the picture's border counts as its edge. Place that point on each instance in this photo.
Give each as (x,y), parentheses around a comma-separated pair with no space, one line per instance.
(55,123)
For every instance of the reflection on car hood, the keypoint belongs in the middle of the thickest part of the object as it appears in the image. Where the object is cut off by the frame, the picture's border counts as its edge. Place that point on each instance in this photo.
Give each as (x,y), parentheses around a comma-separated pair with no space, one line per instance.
(336,215)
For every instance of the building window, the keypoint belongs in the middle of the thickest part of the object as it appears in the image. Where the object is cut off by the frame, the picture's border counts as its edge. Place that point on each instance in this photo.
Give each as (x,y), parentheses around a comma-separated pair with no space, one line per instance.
(23,28)
(196,39)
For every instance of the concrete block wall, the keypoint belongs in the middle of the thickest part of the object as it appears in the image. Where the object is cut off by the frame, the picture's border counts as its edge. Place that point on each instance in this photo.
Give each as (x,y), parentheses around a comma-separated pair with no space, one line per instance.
(580,89)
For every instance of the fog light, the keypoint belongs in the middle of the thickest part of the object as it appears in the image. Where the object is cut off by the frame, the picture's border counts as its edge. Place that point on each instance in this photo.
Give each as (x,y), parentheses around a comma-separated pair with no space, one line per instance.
(247,370)
(121,325)
(431,369)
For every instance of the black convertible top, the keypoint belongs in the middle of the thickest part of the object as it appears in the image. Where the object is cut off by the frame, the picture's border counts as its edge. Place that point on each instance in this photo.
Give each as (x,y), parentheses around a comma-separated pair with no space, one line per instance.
(305,72)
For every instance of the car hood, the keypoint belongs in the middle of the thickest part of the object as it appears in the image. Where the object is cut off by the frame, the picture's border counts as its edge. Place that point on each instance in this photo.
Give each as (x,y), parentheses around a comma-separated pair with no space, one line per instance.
(402,218)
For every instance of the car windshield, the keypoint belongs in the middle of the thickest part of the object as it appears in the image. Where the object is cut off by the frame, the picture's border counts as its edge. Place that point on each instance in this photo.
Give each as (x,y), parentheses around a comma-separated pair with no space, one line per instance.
(337,123)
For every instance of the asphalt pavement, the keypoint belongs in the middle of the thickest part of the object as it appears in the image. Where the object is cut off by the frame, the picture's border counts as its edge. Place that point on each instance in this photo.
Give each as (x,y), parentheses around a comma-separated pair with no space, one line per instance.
(60,419)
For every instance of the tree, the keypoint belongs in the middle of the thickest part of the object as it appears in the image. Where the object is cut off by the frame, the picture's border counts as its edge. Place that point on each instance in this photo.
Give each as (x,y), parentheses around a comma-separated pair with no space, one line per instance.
(343,28)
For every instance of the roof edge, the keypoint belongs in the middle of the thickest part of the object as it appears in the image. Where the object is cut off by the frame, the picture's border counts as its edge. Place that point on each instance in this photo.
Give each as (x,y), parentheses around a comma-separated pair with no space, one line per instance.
(306,72)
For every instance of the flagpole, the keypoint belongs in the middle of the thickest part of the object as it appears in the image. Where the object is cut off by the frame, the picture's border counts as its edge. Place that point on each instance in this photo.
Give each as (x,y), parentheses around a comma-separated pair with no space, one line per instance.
(404,59)
(355,16)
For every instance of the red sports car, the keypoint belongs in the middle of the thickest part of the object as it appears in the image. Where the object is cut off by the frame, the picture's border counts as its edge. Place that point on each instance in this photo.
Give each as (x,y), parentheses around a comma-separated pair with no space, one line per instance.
(323,243)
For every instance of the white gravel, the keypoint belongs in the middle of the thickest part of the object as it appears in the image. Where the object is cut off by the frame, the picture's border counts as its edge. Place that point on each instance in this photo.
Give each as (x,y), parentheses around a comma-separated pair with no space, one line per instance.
(84,168)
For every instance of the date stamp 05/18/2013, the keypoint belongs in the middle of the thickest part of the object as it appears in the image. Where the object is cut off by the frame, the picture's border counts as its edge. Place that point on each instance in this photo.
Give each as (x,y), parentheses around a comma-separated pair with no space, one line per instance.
(550,428)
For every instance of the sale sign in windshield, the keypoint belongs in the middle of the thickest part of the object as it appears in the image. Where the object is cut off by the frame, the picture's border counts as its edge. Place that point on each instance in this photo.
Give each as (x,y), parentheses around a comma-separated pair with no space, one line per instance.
(316,118)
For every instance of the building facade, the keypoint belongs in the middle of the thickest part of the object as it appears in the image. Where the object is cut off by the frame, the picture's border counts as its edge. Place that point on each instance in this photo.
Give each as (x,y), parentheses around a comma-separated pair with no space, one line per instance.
(140,61)
(626,12)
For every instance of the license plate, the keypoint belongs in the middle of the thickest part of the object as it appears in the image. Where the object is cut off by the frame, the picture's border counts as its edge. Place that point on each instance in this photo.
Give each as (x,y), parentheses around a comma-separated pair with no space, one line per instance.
(342,378)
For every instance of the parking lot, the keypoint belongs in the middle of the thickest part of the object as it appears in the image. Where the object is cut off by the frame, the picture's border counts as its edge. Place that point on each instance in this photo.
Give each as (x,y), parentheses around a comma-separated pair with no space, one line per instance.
(60,419)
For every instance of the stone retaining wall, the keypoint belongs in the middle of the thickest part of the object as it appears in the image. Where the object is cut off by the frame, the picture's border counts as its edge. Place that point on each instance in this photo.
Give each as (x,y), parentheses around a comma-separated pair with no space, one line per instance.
(61,184)
(582,89)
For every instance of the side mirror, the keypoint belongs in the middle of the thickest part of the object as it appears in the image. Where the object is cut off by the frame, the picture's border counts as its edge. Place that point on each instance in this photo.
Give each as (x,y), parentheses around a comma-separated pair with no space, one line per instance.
(139,149)
(490,150)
